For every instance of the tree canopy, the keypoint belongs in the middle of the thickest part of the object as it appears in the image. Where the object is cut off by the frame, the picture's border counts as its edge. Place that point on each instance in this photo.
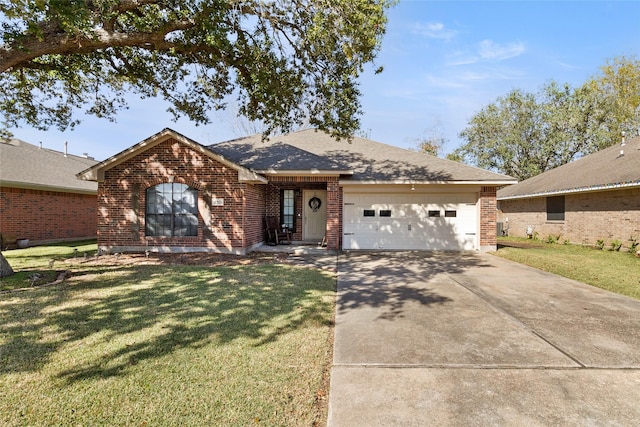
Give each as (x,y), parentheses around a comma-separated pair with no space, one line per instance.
(523,134)
(286,61)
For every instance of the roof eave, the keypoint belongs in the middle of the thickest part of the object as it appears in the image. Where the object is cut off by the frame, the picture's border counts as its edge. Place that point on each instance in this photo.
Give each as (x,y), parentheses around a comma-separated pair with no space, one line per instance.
(250,177)
(304,172)
(44,187)
(593,189)
(427,182)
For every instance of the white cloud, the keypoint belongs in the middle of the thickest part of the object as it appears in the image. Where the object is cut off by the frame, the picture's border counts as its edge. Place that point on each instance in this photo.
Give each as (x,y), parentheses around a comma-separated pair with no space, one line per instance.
(491,51)
(434,30)
(487,51)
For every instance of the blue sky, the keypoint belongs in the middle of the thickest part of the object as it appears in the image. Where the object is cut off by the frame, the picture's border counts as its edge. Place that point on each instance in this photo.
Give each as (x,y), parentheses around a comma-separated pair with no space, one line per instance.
(443,61)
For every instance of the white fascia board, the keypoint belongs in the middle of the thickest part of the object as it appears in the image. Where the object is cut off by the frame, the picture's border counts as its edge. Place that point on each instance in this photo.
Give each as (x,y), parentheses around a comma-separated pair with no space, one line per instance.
(251,177)
(305,172)
(417,182)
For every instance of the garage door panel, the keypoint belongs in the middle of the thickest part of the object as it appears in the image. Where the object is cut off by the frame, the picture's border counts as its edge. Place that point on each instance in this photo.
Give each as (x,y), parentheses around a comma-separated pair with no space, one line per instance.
(416,222)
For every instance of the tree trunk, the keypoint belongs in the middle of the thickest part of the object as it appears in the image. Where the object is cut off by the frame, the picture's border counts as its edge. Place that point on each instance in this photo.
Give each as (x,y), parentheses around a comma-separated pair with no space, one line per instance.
(5,268)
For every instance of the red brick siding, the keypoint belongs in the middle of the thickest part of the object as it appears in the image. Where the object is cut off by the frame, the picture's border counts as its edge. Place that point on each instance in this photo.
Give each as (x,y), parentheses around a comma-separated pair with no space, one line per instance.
(122,200)
(334,215)
(254,201)
(42,216)
(606,215)
(488,215)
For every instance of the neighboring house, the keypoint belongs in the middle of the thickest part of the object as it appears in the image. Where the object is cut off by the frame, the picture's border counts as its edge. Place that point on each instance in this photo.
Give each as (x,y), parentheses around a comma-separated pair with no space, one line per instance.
(593,198)
(170,193)
(40,197)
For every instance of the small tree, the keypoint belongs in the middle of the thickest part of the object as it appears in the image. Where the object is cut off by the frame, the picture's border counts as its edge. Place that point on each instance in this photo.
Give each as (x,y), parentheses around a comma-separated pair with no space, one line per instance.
(432,141)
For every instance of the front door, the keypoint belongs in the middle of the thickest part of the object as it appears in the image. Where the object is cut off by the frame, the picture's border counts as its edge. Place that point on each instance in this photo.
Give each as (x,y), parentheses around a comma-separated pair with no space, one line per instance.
(315,214)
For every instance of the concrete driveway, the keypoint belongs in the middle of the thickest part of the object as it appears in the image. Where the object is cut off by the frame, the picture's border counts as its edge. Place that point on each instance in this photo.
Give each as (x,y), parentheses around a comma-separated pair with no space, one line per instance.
(430,339)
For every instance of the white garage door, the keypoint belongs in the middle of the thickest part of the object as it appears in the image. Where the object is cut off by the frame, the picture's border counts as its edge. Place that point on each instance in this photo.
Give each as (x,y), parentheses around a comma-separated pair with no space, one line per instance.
(411,221)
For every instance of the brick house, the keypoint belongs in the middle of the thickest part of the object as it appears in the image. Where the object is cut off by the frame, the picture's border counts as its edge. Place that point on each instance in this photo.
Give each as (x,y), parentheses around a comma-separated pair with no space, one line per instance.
(593,198)
(40,197)
(170,193)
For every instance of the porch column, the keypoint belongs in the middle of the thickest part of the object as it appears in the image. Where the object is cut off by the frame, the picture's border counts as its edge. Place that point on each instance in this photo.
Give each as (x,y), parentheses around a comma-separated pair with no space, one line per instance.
(334,214)
(488,215)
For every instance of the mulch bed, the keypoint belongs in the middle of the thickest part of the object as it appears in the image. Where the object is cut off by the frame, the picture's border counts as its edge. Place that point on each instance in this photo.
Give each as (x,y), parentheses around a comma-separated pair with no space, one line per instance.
(520,245)
(203,259)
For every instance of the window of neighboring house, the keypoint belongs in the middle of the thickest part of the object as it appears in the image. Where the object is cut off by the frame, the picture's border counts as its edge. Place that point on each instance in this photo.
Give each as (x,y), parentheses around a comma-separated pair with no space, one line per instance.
(369,212)
(385,212)
(287,208)
(172,210)
(555,208)
(450,214)
(434,214)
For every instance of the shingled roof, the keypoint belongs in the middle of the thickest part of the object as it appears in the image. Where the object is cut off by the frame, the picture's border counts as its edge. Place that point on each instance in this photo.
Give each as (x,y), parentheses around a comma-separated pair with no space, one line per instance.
(27,166)
(614,167)
(360,160)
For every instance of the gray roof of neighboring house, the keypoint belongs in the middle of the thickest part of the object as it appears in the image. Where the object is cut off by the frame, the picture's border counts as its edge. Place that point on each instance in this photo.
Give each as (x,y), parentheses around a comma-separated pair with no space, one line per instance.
(362,159)
(604,170)
(23,165)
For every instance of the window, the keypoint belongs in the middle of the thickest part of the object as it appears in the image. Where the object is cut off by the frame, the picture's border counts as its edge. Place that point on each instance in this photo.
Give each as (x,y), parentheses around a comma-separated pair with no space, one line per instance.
(385,212)
(434,214)
(287,208)
(172,210)
(555,208)
(369,212)
(450,214)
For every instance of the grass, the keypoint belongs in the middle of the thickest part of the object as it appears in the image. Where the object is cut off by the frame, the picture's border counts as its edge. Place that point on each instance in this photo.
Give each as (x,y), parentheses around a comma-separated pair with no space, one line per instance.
(166,345)
(31,265)
(614,271)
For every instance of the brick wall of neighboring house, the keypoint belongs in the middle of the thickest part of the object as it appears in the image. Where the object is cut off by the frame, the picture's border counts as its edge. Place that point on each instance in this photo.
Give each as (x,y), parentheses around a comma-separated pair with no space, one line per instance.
(606,215)
(231,226)
(488,217)
(47,216)
(300,183)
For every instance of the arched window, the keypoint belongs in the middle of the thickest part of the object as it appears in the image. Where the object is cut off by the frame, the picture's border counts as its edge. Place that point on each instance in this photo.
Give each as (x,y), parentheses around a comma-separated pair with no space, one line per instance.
(172,210)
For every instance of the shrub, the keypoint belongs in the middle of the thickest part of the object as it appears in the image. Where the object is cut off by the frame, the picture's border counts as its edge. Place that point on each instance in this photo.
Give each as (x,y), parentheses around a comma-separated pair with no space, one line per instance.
(616,245)
(600,244)
(553,238)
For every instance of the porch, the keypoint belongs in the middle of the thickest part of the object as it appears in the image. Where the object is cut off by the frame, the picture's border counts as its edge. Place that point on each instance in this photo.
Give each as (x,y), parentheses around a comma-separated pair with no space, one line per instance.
(310,207)
(297,248)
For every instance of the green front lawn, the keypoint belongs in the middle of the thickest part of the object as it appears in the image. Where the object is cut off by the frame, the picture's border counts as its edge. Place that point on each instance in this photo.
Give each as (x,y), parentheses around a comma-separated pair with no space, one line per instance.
(149,345)
(42,264)
(615,271)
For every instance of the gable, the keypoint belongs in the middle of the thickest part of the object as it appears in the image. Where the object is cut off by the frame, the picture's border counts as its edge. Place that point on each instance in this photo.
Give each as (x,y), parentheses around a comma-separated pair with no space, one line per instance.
(97,172)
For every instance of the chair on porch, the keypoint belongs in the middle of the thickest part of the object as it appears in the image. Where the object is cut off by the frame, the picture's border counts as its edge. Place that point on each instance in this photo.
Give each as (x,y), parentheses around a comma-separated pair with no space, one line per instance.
(276,234)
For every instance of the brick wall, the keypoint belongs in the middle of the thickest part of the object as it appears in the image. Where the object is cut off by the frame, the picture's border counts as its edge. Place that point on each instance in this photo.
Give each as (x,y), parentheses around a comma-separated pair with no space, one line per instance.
(232,227)
(334,215)
(45,216)
(488,216)
(606,215)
